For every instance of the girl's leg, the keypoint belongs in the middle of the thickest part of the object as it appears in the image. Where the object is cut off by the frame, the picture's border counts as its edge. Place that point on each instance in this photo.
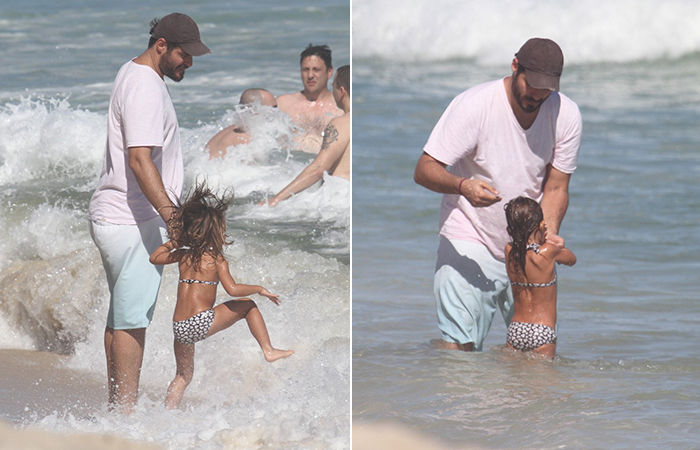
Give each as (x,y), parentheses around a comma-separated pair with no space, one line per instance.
(546,351)
(232,311)
(184,358)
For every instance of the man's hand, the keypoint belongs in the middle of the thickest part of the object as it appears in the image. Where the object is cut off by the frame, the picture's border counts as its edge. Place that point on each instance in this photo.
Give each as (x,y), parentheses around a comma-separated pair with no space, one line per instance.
(555,239)
(433,174)
(479,193)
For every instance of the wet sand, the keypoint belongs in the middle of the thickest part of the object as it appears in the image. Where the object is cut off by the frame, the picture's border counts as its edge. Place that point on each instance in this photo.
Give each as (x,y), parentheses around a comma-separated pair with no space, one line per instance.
(383,436)
(12,439)
(37,384)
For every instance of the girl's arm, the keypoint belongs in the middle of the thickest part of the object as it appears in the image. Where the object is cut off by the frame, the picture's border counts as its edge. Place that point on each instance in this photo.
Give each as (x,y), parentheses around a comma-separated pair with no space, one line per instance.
(164,254)
(557,254)
(566,257)
(240,290)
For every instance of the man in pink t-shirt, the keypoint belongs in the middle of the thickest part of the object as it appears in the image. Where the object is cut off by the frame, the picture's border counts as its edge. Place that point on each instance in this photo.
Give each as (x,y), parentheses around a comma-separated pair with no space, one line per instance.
(501,139)
(141,181)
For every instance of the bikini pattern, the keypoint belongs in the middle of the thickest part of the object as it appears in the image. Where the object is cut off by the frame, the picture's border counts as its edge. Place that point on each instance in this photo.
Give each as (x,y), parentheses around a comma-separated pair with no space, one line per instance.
(190,281)
(535,248)
(195,328)
(529,336)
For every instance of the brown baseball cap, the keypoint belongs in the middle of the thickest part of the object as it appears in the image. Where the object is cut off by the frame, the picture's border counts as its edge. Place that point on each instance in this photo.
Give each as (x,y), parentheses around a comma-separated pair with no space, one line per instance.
(180,29)
(543,62)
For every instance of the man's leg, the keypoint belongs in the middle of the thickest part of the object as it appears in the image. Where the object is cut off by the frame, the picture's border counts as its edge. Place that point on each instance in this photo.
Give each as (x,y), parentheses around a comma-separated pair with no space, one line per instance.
(133,284)
(111,382)
(124,359)
(443,344)
(468,282)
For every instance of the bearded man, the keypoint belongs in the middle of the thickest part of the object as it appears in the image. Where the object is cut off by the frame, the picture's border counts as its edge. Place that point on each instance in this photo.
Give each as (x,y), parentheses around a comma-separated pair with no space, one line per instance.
(141,181)
(517,136)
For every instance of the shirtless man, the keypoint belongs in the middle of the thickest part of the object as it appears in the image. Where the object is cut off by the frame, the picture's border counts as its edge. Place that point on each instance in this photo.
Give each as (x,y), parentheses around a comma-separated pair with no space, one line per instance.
(334,154)
(234,134)
(312,108)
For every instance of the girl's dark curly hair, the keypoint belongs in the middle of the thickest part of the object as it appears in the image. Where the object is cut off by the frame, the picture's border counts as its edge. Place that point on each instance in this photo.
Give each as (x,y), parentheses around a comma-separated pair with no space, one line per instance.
(523,216)
(200,224)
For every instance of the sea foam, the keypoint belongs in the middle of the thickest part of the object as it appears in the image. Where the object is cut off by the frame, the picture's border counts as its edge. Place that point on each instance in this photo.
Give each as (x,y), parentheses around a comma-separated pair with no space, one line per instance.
(589,31)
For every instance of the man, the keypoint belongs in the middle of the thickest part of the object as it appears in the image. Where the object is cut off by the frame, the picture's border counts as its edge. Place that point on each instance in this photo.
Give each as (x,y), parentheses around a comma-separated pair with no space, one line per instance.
(334,155)
(234,134)
(141,179)
(312,108)
(502,139)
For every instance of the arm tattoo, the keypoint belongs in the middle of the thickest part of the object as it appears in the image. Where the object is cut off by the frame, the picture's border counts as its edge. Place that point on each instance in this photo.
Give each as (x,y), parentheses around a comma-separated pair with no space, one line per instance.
(330,135)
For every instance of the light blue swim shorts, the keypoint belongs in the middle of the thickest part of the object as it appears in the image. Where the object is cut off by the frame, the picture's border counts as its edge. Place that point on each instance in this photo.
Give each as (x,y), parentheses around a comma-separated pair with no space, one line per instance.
(470,284)
(133,281)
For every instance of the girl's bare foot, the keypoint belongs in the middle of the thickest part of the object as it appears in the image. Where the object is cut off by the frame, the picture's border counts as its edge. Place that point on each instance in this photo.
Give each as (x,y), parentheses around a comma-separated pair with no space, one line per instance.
(275,354)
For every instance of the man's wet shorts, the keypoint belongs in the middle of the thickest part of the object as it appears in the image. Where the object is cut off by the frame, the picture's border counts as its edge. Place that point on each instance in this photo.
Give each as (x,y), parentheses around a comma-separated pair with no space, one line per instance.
(133,281)
(470,285)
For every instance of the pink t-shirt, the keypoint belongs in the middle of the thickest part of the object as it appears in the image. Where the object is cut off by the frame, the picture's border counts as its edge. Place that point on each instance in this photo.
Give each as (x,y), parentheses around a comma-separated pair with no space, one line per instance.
(480,138)
(141,114)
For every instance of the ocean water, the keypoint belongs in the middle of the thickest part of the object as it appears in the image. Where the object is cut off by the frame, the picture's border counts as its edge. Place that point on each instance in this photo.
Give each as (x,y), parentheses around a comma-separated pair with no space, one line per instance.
(59,60)
(627,373)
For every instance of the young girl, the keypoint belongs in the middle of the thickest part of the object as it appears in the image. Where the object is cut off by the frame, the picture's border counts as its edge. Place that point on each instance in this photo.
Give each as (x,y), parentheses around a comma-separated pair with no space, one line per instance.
(197,233)
(530,265)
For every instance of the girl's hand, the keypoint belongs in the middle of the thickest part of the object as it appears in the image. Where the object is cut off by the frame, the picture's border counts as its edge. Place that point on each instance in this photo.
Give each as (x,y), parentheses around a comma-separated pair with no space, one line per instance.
(274,298)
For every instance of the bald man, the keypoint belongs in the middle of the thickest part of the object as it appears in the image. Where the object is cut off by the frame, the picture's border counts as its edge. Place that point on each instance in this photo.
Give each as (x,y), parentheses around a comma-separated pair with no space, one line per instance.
(234,134)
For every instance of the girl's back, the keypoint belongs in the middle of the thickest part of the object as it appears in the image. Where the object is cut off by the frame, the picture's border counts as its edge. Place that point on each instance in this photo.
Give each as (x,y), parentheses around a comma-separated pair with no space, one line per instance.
(196,287)
(535,291)
(530,263)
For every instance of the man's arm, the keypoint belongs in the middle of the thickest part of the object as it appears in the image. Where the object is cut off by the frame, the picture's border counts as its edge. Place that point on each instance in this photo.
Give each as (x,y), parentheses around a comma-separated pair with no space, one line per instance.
(433,174)
(335,140)
(555,199)
(150,180)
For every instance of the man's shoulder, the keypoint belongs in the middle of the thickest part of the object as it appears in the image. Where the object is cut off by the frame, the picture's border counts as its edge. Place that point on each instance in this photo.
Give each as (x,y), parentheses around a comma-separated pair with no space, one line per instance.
(566,102)
(290,97)
(485,89)
(137,76)
(289,102)
(341,124)
(476,101)
(343,119)
(133,69)
(563,108)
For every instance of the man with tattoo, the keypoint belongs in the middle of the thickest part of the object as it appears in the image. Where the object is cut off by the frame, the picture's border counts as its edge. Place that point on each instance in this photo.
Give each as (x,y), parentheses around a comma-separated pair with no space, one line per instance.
(235,134)
(334,154)
(312,108)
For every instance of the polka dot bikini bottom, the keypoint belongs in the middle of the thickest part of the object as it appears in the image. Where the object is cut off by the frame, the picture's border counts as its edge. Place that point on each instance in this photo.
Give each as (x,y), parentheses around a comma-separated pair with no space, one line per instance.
(529,336)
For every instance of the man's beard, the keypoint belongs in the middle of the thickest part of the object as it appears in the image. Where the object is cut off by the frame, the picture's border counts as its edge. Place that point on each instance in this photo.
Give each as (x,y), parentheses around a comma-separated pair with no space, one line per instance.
(519,99)
(175,73)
